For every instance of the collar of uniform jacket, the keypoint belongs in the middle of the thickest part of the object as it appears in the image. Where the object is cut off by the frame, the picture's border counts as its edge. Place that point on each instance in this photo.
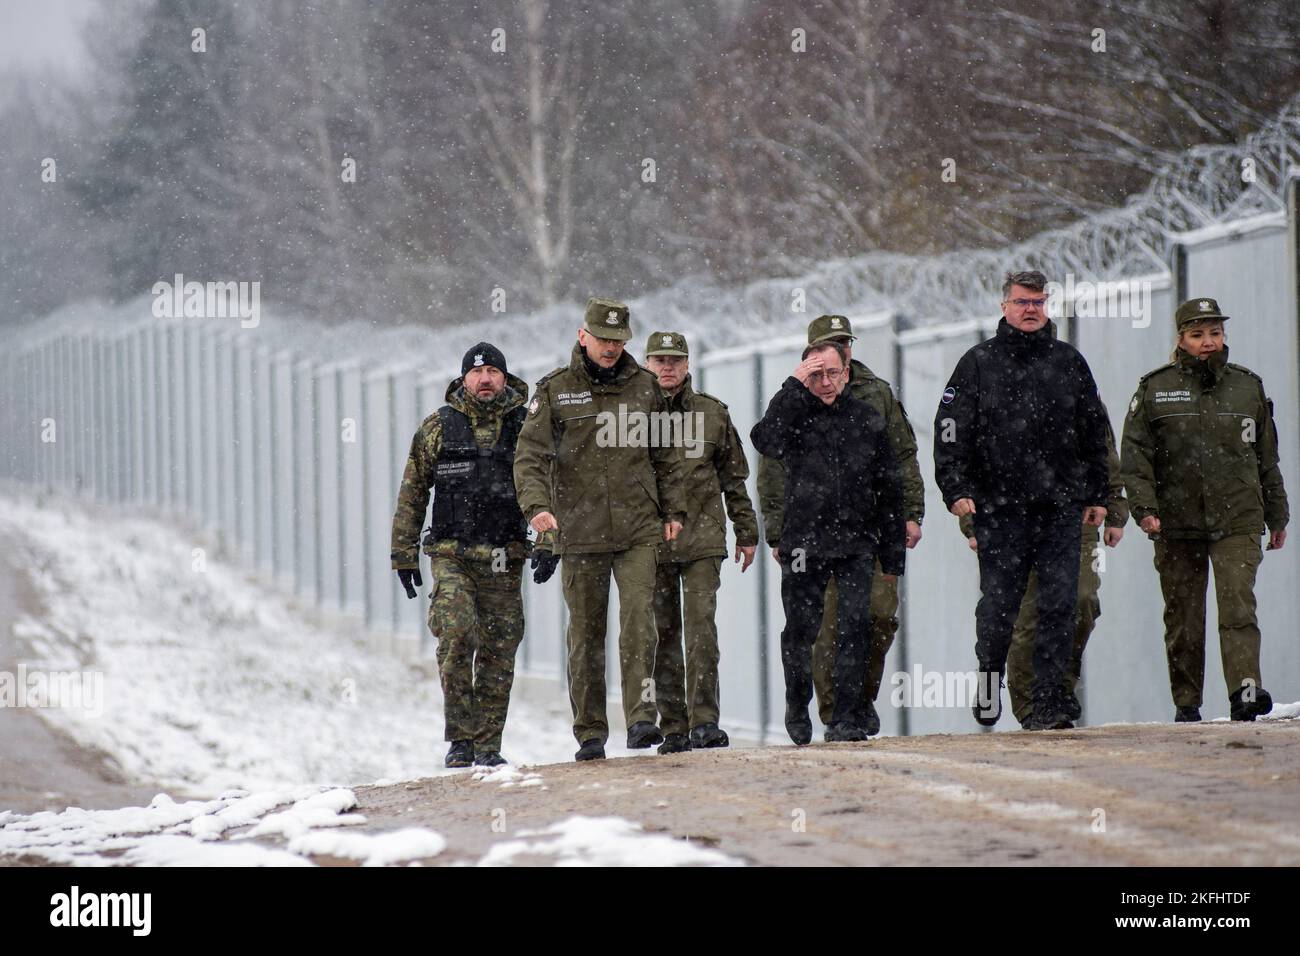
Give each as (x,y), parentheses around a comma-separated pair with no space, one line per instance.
(1024,341)
(624,369)
(685,397)
(1210,369)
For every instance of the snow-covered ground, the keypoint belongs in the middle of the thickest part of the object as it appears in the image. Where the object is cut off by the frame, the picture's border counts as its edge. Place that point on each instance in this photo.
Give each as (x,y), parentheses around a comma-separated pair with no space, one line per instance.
(212,679)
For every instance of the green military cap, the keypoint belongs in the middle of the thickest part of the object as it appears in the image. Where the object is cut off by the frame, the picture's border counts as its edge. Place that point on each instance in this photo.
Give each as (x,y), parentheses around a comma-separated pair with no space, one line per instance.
(666,343)
(1197,310)
(607,319)
(829,327)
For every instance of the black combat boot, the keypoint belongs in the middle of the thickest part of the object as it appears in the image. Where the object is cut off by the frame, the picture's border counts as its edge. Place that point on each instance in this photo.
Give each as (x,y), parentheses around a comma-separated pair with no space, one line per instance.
(489,758)
(798,724)
(460,754)
(675,744)
(988,697)
(643,735)
(591,749)
(842,732)
(709,735)
(1243,709)
(1187,715)
(872,724)
(1050,712)
(1073,709)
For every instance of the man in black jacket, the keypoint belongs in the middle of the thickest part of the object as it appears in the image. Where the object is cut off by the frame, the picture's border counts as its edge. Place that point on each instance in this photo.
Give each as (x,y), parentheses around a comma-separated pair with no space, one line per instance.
(1020,444)
(843,507)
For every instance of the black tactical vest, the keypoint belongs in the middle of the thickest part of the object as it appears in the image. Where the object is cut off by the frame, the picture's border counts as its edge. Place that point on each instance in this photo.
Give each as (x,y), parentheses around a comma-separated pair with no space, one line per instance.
(474,488)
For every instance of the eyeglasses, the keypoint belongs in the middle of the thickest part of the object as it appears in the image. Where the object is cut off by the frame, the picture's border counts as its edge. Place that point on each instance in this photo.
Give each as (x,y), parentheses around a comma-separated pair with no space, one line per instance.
(1026,303)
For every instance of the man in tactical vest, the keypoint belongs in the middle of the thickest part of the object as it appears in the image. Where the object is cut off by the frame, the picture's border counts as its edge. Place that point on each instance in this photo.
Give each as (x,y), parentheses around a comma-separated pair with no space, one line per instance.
(594,475)
(876,392)
(713,469)
(477,544)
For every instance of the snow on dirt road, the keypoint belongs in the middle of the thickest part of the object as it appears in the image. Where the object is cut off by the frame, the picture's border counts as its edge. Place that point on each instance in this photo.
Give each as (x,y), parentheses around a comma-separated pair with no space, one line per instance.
(221,736)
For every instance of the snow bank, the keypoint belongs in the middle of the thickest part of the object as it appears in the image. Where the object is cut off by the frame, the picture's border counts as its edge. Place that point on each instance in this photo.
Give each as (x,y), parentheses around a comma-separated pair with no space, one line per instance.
(214,679)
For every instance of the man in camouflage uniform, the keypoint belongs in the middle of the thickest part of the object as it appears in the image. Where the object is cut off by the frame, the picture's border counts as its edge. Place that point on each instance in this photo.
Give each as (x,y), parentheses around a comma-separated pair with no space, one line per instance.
(464,452)
(592,473)
(876,392)
(713,468)
(1020,659)
(1201,468)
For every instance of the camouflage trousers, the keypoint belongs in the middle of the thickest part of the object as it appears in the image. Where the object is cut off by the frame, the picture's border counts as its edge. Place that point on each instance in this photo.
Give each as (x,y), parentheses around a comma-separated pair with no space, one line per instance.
(1184,574)
(477,615)
(586,593)
(686,689)
(880,637)
(1020,659)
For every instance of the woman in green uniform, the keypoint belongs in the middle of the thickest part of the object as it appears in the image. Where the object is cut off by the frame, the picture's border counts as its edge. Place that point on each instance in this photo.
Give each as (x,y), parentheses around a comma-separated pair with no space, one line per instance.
(1200,466)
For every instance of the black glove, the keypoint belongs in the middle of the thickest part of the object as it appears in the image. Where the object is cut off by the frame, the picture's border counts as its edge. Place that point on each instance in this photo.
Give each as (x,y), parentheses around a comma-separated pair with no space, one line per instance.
(543,565)
(409,576)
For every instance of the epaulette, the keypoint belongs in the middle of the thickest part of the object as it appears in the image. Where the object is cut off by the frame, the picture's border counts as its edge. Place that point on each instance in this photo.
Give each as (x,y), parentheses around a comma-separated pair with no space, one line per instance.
(1242,368)
(713,398)
(1158,368)
(548,376)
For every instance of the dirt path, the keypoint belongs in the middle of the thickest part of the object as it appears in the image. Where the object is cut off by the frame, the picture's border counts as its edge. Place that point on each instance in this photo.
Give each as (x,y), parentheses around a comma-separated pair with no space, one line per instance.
(40,768)
(1172,795)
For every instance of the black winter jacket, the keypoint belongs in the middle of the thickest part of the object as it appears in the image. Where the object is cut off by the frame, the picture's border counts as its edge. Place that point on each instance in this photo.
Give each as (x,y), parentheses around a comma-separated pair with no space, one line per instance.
(843,491)
(1021,422)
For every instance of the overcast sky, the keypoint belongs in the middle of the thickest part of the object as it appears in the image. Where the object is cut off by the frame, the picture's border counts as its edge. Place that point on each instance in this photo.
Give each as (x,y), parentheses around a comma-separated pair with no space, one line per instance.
(43,37)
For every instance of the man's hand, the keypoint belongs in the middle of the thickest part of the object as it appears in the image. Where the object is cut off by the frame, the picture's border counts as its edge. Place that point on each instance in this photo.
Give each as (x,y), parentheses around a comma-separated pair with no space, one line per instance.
(410,578)
(671,530)
(543,521)
(808,367)
(1276,539)
(1112,536)
(1094,515)
(963,506)
(543,565)
(1150,524)
(973,544)
(913,534)
(748,551)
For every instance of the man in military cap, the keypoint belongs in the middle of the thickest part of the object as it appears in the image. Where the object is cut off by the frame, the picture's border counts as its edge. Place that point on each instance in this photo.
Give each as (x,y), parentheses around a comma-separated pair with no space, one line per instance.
(477,543)
(713,470)
(1200,463)
(602,492)
(876,392)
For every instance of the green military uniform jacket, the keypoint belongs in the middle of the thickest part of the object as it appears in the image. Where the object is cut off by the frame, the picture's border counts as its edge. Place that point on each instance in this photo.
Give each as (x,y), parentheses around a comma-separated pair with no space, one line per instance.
(417,479)
(584,456)
(864,385)
(1200,451)
(713,468)
(1116,504)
